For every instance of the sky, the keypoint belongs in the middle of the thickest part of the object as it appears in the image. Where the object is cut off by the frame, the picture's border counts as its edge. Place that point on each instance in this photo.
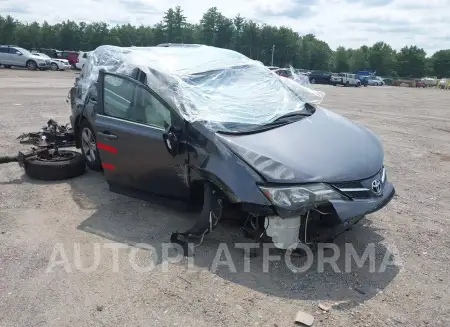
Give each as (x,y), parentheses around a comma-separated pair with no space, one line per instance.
(348,23)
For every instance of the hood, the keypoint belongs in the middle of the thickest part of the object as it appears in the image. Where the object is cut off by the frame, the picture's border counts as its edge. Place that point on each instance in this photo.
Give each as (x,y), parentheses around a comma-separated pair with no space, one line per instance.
(324,147)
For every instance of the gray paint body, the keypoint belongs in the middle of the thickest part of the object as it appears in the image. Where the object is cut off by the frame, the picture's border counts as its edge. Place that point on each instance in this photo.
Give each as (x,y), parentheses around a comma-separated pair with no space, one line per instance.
(324,147)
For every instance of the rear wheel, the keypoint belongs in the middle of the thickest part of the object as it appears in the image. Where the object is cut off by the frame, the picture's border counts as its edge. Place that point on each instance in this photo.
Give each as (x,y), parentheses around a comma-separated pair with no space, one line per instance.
(313,81)
(54,66)
(89,146)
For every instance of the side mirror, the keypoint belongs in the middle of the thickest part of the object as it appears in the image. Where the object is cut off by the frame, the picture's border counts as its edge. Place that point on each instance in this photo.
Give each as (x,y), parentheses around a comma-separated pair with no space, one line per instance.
(19,53)
(171,140)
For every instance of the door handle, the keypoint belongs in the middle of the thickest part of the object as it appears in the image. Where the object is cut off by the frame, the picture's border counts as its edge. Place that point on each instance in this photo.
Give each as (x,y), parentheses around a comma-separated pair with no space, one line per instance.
(108,135)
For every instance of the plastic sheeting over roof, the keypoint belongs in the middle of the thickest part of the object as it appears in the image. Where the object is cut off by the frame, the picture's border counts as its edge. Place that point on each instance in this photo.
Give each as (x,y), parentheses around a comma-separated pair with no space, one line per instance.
(203,83)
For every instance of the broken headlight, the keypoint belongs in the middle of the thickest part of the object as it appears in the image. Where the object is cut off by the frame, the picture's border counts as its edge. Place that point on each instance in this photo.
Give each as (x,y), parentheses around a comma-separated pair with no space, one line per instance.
(296,197)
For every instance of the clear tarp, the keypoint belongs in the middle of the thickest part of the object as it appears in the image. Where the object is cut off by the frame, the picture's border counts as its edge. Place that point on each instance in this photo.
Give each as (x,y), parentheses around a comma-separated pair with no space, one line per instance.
(203,83)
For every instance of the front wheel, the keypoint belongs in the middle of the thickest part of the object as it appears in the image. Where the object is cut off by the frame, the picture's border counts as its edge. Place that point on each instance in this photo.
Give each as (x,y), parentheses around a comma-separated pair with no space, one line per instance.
(31,65)
(54,66)
(313,81)
(89,146)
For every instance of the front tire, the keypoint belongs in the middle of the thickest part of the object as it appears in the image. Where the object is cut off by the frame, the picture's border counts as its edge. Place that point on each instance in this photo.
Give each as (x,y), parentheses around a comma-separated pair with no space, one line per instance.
(54,66)
(89,146)
(31,65)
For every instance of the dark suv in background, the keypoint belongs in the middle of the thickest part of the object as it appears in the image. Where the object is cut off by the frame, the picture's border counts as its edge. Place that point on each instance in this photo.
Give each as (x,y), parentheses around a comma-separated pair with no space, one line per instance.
(319,77)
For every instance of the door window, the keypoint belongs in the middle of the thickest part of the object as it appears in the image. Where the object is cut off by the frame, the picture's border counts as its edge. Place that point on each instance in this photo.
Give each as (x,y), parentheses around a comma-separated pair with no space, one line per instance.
(128,100)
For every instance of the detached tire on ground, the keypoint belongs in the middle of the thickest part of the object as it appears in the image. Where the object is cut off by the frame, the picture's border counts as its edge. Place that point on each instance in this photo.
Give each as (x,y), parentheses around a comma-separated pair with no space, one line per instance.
(68,164)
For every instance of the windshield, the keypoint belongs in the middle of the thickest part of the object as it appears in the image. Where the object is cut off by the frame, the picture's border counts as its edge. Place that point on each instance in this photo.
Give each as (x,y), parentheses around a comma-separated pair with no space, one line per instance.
(24,51)
(233,90)
(216,86)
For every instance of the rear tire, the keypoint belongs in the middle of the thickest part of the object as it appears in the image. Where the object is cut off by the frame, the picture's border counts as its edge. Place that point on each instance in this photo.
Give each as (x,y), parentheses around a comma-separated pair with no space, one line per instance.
(89,148)
(69,165)
(54,66)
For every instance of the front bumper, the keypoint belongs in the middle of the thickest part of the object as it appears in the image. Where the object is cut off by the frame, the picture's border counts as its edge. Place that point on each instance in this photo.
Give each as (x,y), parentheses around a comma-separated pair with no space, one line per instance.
(43,65)
(349,209)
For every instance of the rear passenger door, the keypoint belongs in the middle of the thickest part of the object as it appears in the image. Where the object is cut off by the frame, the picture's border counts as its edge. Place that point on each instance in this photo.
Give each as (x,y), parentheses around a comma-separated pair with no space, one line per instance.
(5,57)
(129,127)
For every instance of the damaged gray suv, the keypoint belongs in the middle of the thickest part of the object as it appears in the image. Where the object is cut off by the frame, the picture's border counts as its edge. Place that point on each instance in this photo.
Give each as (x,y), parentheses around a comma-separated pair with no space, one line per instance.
(223,133)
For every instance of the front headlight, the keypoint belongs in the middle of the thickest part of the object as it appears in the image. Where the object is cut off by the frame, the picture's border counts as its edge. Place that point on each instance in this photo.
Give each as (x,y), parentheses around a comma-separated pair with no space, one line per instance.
(296,197)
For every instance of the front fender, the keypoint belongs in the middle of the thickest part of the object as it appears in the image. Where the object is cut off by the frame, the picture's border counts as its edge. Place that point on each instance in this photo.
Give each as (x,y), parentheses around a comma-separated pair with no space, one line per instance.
(214,162)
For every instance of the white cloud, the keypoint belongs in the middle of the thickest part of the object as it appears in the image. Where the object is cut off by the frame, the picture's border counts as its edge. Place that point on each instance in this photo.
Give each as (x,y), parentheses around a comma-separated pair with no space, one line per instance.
(350,23)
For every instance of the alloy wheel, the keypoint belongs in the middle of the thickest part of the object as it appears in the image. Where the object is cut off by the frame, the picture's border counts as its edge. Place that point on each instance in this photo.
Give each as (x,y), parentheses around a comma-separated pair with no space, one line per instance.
(88,145)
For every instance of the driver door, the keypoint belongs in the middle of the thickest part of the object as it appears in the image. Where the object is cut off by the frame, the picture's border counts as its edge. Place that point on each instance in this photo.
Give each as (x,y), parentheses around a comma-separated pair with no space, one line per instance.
(129,127)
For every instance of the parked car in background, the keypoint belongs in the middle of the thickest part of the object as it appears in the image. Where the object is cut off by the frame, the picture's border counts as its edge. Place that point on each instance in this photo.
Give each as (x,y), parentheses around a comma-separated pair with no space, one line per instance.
(375,80)
(319,77)
(345,79)
(52,53)
(430,81)
(11,55)
(71,56)
(81,60)
(285,72)
(420,83)
(55,64)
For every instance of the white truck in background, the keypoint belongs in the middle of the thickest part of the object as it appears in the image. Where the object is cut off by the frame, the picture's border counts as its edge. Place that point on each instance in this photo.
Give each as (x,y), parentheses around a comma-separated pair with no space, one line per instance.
(345,79)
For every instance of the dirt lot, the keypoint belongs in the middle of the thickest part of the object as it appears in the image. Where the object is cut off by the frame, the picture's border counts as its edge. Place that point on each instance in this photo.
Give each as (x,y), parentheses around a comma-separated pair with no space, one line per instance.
(82,216)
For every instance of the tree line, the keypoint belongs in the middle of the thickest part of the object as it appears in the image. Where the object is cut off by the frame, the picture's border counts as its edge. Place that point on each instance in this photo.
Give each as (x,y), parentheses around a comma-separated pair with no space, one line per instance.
(246,36)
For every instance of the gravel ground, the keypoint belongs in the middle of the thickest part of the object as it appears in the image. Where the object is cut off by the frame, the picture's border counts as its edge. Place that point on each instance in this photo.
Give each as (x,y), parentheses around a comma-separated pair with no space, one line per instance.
(81,219)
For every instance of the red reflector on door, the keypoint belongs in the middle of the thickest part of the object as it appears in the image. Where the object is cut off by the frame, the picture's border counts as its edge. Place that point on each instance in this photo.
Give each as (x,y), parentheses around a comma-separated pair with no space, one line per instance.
(106,165)
(106,147)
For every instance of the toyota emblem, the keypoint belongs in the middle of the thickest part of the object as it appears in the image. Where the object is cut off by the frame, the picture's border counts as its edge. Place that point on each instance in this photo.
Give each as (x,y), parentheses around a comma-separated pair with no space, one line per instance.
(377,187)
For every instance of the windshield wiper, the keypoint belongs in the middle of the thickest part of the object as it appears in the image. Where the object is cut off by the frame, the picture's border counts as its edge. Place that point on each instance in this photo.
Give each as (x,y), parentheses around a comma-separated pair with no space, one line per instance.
(285,119)
(290,116)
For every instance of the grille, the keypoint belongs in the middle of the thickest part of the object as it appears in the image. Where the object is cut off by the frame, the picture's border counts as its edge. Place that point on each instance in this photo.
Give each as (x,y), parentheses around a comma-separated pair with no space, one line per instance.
(356,184)
(359,189)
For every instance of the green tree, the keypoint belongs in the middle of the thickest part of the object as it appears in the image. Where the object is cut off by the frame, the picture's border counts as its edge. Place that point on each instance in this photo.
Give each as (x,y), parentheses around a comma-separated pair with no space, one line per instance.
(341,60)
(411,62)
(248,37)
(382,58)
(440,62)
